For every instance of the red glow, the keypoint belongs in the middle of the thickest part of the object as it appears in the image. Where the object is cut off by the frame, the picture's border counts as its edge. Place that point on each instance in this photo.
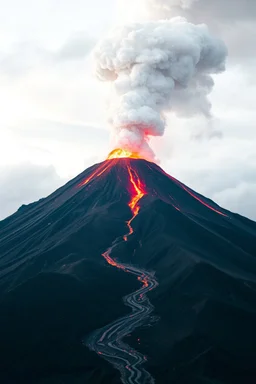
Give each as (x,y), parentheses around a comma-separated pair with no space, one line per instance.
(137,192)
(137,189)
(144,280)
(99,171)
(203,202)
(117,153)
(142,127)
(111,261)
(193,195)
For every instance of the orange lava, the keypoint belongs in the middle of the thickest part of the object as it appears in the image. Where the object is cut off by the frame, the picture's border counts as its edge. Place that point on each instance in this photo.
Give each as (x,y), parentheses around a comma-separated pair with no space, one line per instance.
(122,153)
(144,280)
(193,195)
(111,261)
(117,153)
(99,171)
(203,202)
(137,192)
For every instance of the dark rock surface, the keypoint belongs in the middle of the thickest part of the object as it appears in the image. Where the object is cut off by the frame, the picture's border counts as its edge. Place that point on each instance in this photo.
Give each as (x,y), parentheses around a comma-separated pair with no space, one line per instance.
(55,287)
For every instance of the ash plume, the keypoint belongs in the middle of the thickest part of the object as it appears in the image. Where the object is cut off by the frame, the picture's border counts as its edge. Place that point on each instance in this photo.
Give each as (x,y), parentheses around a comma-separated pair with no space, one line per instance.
(155,67)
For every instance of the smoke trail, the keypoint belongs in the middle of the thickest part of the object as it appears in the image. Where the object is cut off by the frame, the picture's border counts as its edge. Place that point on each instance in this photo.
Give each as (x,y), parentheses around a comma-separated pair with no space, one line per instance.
(156,66)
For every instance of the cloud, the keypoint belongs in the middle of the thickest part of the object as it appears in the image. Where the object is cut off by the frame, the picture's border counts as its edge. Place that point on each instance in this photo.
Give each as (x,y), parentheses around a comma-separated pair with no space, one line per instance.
(77,47)
(38,156)
(232,20)
(70,148)
(239,199)
(34,84)
(73,134)
(25,183)
(26,56)
(22,57)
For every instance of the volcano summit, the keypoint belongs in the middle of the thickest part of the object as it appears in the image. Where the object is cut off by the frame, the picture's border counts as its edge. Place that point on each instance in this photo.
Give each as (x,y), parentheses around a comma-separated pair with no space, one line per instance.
(127,275)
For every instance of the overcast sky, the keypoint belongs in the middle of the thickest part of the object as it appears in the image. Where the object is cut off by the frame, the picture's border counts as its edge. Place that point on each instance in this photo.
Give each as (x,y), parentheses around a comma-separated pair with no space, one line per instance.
(52,120)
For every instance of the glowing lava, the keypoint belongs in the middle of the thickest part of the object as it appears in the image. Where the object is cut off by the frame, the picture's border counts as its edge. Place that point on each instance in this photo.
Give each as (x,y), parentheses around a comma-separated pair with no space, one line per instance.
(119,153)
(137,192)
(108,341)
(102,168)
(136,187)
(193,195)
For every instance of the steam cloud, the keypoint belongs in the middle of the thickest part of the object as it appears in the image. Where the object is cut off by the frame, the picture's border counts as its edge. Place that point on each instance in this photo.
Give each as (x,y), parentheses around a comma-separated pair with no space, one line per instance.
(156,66)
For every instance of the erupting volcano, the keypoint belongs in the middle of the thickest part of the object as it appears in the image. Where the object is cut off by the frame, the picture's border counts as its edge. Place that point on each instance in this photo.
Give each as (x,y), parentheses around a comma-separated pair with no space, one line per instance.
(125,274)
(128,262)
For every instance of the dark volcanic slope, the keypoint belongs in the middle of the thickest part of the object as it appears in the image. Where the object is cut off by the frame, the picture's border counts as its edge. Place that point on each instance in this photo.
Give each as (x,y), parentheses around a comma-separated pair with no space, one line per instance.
(56,287)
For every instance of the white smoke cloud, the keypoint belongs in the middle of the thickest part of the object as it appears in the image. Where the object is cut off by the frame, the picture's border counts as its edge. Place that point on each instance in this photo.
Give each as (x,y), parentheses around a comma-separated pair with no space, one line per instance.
(156,66)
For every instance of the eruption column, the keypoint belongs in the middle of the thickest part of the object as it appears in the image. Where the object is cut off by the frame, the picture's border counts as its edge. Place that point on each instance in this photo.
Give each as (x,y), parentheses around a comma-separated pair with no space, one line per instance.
(155,67)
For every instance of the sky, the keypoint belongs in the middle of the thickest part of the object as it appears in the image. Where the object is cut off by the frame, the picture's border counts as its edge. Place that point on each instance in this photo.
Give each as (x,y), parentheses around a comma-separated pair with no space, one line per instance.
(53,109)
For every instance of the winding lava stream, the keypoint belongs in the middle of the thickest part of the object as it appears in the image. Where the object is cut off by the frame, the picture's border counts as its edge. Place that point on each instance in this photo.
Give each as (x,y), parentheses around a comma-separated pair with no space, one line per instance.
(108,341)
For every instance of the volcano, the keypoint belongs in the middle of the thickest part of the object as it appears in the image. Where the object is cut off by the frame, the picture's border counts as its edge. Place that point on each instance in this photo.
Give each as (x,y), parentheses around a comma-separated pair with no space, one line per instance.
(127,275)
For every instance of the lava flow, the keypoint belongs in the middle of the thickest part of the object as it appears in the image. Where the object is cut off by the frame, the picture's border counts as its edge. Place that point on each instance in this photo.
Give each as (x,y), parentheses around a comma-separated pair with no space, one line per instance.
(102,168)
(137,192)
(192,194)
(107,342)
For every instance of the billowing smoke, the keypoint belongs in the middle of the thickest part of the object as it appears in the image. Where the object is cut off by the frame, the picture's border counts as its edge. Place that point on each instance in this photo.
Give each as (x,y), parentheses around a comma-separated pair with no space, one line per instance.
(155,67)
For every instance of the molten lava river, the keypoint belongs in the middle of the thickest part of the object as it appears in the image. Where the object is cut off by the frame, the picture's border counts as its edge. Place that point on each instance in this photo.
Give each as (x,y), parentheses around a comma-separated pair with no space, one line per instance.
(108,341)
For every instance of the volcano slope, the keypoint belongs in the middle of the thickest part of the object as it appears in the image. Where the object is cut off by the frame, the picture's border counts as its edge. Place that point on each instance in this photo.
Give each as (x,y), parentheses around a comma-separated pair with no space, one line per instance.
(62,279)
